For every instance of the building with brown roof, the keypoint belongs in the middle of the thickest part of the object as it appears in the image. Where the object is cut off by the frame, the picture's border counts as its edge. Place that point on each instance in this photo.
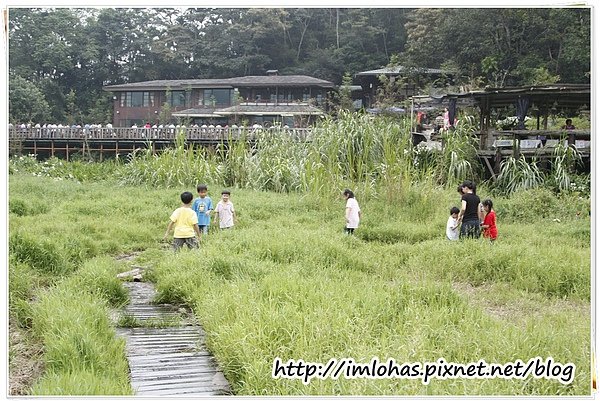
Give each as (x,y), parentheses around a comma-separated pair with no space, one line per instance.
(292,100)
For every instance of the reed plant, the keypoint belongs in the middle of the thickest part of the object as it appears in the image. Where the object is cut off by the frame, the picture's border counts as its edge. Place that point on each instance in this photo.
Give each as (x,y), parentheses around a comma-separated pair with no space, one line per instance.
(518,175)
(565,161)
(458,158)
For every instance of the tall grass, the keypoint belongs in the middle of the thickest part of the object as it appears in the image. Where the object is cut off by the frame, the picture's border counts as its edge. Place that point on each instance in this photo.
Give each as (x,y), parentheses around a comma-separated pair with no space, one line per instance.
(72,322)
(458,159)
(311,293)
(521,175)
(180,166)
(566,159)
(286,282)
(373,155)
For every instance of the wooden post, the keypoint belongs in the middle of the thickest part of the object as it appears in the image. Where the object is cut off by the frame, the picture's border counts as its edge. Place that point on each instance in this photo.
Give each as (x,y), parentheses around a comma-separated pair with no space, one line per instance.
(497,161)
(116,148)
(34,147)
(481,124)
(67,149)
(101,150)
(52,148)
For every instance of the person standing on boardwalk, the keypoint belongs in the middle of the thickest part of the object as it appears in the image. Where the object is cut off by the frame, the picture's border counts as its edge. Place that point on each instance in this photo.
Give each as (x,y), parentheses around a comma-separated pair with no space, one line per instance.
(225,211)
(352,211)
(203,206)
(185,221)
(489,221)
(471,211)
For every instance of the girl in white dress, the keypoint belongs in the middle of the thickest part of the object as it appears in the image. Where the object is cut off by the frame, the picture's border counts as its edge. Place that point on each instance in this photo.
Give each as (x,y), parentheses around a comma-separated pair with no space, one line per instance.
(352,211)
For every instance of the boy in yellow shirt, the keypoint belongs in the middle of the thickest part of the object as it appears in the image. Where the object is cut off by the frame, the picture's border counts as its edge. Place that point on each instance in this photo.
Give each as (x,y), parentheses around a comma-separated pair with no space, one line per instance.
(185,221)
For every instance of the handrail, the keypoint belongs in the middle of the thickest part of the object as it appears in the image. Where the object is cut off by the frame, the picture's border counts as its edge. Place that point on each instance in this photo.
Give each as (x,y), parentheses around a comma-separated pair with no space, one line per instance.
(557,134)
(166,133)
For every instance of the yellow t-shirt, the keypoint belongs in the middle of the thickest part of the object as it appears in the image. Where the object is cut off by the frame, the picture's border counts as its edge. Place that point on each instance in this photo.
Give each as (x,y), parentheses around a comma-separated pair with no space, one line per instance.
(184,219)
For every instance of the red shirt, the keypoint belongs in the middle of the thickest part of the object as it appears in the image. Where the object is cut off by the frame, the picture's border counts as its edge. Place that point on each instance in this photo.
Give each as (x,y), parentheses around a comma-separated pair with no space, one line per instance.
(490,220)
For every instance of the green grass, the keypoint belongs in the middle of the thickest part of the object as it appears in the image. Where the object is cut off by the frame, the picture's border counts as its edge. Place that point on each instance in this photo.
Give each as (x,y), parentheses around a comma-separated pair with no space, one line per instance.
(71,319)
(287,283)
(293,295)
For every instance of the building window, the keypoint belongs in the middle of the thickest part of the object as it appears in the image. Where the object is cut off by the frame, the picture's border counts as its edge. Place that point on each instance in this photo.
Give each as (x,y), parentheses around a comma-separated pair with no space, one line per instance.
(148,99)
(217,97)
(137,99)
(177,98)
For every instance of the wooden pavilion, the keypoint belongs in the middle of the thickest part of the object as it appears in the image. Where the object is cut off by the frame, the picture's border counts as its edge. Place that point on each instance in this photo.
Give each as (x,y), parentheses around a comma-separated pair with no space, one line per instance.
(539,102)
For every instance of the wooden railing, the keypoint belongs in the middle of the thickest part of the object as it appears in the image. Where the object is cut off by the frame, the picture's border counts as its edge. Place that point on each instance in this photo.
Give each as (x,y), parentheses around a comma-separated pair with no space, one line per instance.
(168,134)
(572,137)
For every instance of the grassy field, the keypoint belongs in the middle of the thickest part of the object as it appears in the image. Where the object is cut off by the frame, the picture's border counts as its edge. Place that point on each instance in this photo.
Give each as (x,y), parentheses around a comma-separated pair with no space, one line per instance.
(287,283)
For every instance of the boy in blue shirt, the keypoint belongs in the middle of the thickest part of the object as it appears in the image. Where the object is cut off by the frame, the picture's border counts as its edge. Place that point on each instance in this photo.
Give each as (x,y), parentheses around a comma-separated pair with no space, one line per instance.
(203,206)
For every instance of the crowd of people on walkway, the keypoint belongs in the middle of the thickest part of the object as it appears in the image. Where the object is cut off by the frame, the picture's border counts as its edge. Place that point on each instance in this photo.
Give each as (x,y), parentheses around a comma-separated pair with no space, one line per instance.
(147,130)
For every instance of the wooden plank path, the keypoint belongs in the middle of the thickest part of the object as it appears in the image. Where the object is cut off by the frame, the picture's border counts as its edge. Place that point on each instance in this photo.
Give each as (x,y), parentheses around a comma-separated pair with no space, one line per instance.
(167,360)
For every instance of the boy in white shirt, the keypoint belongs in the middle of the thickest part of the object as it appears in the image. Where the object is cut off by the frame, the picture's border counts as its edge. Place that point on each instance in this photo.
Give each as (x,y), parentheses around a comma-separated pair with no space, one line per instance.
(352,211)
(452,224)
(224,211)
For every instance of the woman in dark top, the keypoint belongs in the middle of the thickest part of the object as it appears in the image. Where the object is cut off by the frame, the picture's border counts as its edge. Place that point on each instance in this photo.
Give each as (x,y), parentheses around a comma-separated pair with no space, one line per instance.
(471,213)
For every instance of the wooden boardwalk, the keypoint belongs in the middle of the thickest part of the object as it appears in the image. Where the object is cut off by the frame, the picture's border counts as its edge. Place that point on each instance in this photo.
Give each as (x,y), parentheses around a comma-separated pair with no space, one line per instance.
(167,361)
(116,142)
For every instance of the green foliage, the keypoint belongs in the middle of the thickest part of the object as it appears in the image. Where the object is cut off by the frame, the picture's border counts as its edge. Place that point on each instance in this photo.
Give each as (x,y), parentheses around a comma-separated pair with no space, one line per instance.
(518,175)
(82,171)
(343,97)
(175,167)
(566,159)
(541,203)
(26,101)
(503,53)
(458,160)
(98,277)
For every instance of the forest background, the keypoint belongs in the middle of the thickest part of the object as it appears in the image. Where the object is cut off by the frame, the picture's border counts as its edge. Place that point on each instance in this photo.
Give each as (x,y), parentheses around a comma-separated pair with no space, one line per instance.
(61,57)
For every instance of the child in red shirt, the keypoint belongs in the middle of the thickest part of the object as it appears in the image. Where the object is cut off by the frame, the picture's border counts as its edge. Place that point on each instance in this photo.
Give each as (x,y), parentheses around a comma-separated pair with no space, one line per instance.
(489,221)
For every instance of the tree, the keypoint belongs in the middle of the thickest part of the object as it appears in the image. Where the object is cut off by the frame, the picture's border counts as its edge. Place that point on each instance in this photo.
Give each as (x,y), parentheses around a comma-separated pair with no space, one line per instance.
(26,101)
(343,96)
(73,112)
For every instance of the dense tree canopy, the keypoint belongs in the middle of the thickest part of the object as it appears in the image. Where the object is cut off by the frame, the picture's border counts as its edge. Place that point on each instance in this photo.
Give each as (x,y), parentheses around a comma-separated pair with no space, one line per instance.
(69,54)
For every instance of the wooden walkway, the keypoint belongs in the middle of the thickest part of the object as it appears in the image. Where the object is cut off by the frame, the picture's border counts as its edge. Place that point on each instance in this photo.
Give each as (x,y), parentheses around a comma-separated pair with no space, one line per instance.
(167,361)
(116,142)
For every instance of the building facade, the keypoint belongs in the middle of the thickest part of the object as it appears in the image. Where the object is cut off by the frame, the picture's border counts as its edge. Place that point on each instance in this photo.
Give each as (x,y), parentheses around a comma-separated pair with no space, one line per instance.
(292,100)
